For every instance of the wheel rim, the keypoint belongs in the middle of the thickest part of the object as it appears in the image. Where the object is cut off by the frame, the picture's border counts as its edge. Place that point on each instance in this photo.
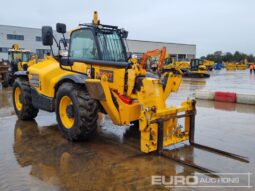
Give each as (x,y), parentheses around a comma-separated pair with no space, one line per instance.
(17,96)
(66,119)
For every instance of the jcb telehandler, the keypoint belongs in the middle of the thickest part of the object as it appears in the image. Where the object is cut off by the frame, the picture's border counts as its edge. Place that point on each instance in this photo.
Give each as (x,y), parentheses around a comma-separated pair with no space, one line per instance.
(18,60)
(97,77)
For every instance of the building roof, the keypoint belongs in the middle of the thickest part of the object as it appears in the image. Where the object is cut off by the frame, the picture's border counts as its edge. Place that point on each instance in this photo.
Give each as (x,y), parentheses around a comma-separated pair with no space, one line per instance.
(145,41)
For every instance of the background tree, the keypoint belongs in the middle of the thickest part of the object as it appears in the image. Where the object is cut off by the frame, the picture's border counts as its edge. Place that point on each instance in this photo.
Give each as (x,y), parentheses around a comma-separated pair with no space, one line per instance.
(218,56)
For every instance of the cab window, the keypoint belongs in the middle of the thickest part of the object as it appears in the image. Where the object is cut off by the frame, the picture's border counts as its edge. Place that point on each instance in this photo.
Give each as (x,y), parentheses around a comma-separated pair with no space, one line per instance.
(111,47)
(83,45)
(26,57)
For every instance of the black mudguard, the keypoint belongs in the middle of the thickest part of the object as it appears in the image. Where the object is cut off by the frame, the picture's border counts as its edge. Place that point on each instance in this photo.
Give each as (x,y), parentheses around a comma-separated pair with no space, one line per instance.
(76,78)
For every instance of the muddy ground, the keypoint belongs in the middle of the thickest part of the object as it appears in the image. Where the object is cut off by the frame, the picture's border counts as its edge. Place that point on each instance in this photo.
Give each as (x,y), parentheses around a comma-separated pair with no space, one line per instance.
(35,156)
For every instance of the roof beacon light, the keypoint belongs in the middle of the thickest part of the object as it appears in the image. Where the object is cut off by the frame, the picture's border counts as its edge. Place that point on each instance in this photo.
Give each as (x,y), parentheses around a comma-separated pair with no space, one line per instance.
(95,19)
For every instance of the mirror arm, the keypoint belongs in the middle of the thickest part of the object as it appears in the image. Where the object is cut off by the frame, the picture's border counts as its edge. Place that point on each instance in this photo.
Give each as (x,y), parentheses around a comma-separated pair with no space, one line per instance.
(64,41)
(52,53)
(58,44)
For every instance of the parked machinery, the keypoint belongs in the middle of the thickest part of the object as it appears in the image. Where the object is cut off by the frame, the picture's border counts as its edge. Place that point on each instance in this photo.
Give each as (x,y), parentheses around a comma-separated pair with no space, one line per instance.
(197,70)
(3,70)
(171,63)
(97,77)
(156,66)
(183,65)
(208,64)
(242,65)
(18,60)
(230,66)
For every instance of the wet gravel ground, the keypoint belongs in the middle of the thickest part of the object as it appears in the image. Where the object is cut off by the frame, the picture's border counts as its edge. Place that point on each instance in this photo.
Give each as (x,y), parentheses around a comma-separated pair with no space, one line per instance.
(35,156)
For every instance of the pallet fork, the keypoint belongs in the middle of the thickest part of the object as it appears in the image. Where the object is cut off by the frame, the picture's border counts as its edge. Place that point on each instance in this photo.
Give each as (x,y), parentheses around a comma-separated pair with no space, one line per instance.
(166,153)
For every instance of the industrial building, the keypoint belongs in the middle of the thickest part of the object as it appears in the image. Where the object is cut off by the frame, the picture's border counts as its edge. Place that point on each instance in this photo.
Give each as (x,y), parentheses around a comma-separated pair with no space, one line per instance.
(30,38)
(176,50)
(27,38)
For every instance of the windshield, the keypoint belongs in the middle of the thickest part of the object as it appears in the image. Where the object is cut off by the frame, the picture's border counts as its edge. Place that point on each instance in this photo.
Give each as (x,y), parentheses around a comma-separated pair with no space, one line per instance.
(15,56)
(168,61)
(83,45)
(26,56)
(195,63)
(111,47)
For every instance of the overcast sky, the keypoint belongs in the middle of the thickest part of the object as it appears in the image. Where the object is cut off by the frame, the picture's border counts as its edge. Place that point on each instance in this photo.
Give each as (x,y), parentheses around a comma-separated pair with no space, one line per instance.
(226,25)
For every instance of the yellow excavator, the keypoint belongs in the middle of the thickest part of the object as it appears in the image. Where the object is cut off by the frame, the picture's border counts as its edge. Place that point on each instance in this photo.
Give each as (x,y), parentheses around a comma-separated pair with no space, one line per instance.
(193,69)
(182,64)
(230,66)
(208,64)
(161,53)
(97,77)
(18,60)
(242,65)
(196,70)
(170,64)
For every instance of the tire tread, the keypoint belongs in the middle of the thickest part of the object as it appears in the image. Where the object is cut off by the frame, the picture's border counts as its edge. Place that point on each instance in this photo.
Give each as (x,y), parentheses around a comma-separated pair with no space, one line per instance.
(28,111)
(86,110)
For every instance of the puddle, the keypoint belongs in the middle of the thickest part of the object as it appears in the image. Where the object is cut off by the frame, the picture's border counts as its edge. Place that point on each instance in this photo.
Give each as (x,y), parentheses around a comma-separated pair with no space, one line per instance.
(35,156)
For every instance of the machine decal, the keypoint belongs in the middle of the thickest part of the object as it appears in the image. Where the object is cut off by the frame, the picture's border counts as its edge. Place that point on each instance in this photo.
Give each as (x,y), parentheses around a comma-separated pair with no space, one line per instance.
(108,73)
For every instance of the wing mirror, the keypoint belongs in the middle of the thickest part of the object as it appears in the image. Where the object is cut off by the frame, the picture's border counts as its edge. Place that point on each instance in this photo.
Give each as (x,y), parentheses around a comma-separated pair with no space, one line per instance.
(61,28)
(47,36)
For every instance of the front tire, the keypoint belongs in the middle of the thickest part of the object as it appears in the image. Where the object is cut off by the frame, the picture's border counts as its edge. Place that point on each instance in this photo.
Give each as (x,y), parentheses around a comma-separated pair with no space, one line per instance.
(22,100)
(76,112)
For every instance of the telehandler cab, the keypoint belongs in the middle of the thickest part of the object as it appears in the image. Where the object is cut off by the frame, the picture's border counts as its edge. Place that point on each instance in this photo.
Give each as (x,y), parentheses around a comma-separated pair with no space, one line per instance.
(97,77)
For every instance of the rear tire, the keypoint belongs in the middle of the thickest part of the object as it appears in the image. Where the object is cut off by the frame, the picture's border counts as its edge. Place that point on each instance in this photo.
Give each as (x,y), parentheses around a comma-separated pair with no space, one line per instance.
(79,122)
(23,106)
(5,82)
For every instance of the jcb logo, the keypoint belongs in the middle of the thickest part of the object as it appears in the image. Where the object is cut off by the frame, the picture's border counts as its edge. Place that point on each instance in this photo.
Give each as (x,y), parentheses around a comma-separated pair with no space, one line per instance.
(108,74)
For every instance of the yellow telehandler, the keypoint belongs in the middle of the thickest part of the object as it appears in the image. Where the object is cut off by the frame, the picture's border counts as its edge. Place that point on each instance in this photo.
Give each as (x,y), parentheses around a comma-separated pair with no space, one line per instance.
(18,60)
(96,76)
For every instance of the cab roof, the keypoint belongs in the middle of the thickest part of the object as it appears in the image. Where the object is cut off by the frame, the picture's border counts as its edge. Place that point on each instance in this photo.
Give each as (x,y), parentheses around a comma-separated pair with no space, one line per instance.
(20,50)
